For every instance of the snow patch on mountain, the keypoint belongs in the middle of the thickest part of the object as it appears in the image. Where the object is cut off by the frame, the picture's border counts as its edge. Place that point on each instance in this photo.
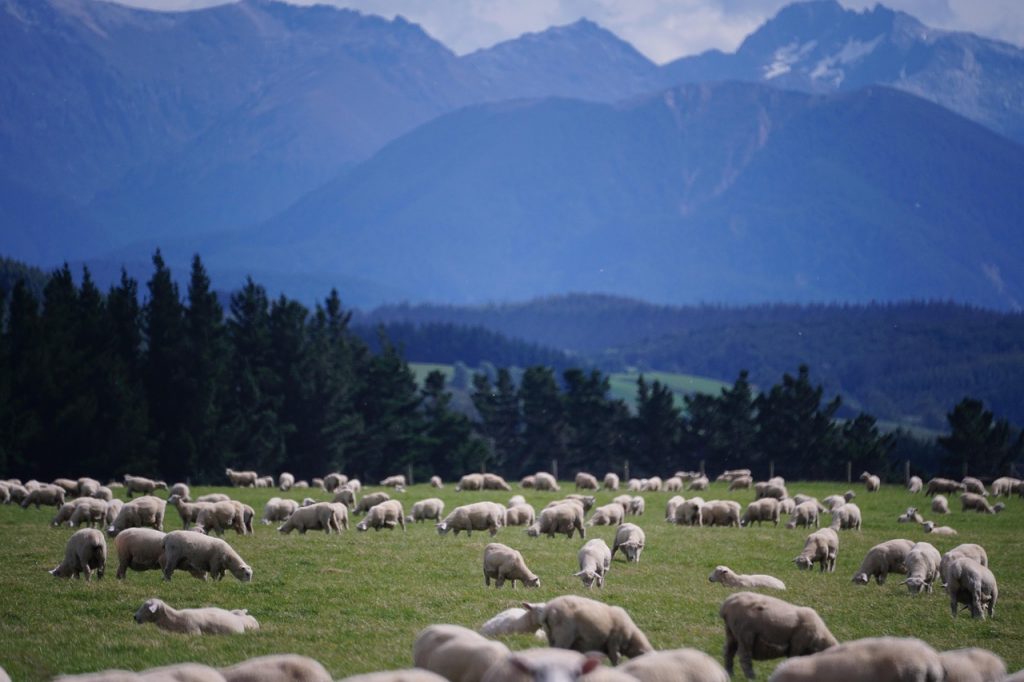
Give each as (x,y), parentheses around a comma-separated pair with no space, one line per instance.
(828,69)
(786,56)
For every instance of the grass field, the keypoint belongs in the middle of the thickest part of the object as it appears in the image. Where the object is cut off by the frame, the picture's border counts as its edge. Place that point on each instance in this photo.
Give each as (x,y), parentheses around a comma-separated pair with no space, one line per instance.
(355,602)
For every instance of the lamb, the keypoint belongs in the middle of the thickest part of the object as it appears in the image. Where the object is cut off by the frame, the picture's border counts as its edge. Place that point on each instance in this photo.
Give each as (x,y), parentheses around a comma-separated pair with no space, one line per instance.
(882,559)
(369,502)
(196,553)
(1004,485)
(940,505)
(652,484)
(741,483)
(630,538)
(910,516)
(585,625)
(514,621)
(973,485)
(595,560)
(942,485)
(871,482)
(972,665)
(769,489)
(285,481)
(545,481)
(922,567)
(396,481)
(205,621)
(915,484)
(332,481)
(140,549)
(276,668)
(806,514)
(585,481)
(765,509)
(140,484)
(720,513)
(86,550)
(946,531)
(50,495)
(139,512)
(520,515)
(670,507)
(675,665)
(387,514)
(874,659)
(637,506)
(456,653)
(242,479)
(429,509)
(611,481)
(970,583)
(688,513)
(968,550)
(759,627)
(726,576)
(489,516)
(563,518)
(436,482)
(821,546)
(976,502)
(278,509)
(673,484)
(502,563)
(846,517)
(700,483)
(319,516)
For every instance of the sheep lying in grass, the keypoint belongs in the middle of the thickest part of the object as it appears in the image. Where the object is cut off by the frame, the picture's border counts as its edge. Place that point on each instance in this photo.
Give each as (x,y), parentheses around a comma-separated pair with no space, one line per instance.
(323,516)
(585,625)
(607,515)
(875,659)
(429,509)
(520,515)
(198,553)
(630,538)
(726,576)
(489,516)
(276,668)
(821,546)
(384,515)
(595,559)
(502,563)
(910,516)
(915,484)
(675,665)
(204,621)
(456,653)
(940,505)
(945,531)
(278,509)
(882,559)
(564,518)
(970,583)
(922,567)
(846,517)
(972,665)
(514,621)
(140,549)
(85,552)
(759,627)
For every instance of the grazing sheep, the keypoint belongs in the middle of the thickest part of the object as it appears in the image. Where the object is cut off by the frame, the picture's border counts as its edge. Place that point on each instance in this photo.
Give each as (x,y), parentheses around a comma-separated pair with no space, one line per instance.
(800,498)
(456,653)
(595,560)
(910,516)
(140,484)
(821,546)
(489,516)
(1004,485)
(319,516)
(205,621)
(675,665)
(429,509)
(520,515)
(552,665)
(86,550)
(769,489)
(528,481)
(545,481)
(113,509)
(759,627)
(940,505)
(180,672)
(732,474)
(285,481)
(871,482)
(278,509)
(213,497)
(688,513)
(562,518)
(585,481)
(219,517)
(637,506)
(726,576)
(833,502)
(671,506)
(805,515)
(344,495)
(50,495)
(673,484)
(630,538)
(140,549)
(720,513)
(700,483)
(611,481)
(495,482)
(242,479)
(265,482)
(470,482)
(607,515)
(787,505)
(387,514)
(970,583)
(436,482)
(70,487)
(88,487)
(139,512)
(652,484)
(585,625)
(922,567)
(976,502)
(81,511)
(765,509)
(846,517)
(502,563)
(396,481)
(634,485)
(915,484)
(973,485)
(195,552)
(515,500)
(968,550)
(370,501)
(181,490)
(276,668)
(514,621)
(972,665)
(945,531)
(741,483)
(942,485)
(875,659)
(189,511)
(882,559)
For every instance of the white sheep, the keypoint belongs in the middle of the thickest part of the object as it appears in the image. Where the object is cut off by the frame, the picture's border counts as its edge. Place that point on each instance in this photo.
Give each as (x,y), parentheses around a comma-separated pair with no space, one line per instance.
(942,485)
(611,481)
(871,482)
(1005,485)
(699,483)
(139,512)
(242,479)
(86,551)
(368,502)
(387,514)
(395,481)
(513,621)
(637,506)
(70,486)
(972,665)
(974,486)
(673,484)
(204,621)
(726,576)
(278,509)
(276,668)
(196,553)
(220,516)
(402,675)
(970,583)
(179,672)
(968,550)
(846,517)
(583,625)
(821,546)
(833,502)
(113,509)
(977,502)
(688,513)
(431,508)
(805,515)
(585,481)
(671,506)
(769,489)
(720,513)
(181,490)
(882,559)
(562,518)
(595,559)
(945,531)
(140,549)
(759,627)
(630,538)
(915,484)
(520,515)
(910,516)
(323,516)
(545,481)
(765,509)
(922,567)
(81,511)
(546,664)
(652,484)
(213,497)
(489,516)
(940,505)
(502,563)
(141,484)
(456,653)
(875,659)
(675,665)
(607,515)
(729,474)
(285,481)
(741,483)
(44,494)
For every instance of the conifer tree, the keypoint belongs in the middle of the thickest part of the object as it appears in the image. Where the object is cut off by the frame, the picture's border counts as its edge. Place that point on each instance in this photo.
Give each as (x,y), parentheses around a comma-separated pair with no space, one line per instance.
(656,428)
(987,445)
(500,419)
(544,434)
(450,447)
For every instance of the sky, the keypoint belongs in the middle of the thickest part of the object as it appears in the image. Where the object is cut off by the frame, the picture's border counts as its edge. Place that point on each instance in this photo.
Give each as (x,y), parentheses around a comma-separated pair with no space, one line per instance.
(661,29)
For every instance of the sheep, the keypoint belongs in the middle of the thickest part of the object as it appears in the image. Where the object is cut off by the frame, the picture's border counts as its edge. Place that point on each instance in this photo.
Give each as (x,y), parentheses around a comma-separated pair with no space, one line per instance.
(769,489)
(50,495)
(972,665)
(456,653)
(700,483)
(671,506)
(345,495)
(973,485)
(70,487)
(140,549)
(595,559)
(922,567)
(213,497)
(545,664)
(219,517)
(94,510)
(673,484)
(528,481)
(387,514)
(675,665)
(585,501)
(520,515)
(970,583)
(515,500)
(637,506)
(320,516)
(652,484)
(5,493)
(86,550)
(688,513)
(402,675)
(720,513)
(514,621)
(940,505)
(545,481)
(806,514)
(611,481)
(759,627)
(489,516)
(821,546)
(563,518)
(141,511)
(241,479)
(882,559)
(585,481)
(946,531)
(846,517)
(741,483)
(205,621)
(976,502)
(871,482)
(429,509)
(301,483)
(276,668)
(731,474)
(113,509)
(765,509)
(265,482)
(1004,485)
(331,481)
(630,538)
(634,485)
(88,487)
(196,553)
(181,490)
(833,502)
(968,550)
(502,563)
(915,484)
(285,481)
(370,501)
(495,482)
(583,625)
(396,481)
(278,509)
(874,659)
(726,576)
(624,501)
(180,672)
(800,498)
(470,482)
(786,505)
(910,516)
(942,485)
(140,484)
(188,511)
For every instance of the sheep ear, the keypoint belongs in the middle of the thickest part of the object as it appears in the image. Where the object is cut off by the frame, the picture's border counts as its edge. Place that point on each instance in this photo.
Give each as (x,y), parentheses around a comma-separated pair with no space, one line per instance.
(152,607)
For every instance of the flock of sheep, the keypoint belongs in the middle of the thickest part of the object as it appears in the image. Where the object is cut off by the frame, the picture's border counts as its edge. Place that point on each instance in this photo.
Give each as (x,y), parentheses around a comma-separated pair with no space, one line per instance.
(757,626)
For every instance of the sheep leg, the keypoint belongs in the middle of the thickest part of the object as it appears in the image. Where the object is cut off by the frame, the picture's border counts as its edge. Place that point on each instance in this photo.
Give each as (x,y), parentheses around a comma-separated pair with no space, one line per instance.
(747,660)
(953,603)
(729,650)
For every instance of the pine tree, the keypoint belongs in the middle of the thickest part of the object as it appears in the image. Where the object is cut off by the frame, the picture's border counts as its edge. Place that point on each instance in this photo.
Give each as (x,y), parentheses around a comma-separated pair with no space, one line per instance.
(500,418)
(656,428)
(722,429)
(865,446)
(987,446)
(26,360)
(595,439)
(544,434)
(450,446)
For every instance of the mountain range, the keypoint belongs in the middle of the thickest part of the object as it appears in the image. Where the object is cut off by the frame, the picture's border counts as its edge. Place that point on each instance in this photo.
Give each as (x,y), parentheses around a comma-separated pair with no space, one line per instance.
(836,155)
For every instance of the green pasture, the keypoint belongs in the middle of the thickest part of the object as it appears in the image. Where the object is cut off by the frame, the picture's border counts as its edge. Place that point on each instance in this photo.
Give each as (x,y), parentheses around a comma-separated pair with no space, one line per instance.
(356,601)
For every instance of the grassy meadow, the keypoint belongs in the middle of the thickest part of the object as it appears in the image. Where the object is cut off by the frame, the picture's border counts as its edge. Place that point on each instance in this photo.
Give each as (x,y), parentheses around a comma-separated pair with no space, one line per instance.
(356,601)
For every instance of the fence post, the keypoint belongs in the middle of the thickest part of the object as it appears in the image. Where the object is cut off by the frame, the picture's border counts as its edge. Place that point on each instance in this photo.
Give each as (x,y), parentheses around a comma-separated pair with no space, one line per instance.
(554,468)
(409,477)
(771,469)
(625,471)
(702,468)
(906,472)
(849,471)
(965,470)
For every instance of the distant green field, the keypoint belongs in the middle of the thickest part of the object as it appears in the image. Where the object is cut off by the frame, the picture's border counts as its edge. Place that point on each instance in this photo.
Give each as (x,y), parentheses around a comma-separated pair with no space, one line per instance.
(356,601)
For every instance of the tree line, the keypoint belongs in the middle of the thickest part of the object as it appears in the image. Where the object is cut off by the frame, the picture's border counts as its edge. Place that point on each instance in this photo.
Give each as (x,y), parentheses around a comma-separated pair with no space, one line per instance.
(160,382)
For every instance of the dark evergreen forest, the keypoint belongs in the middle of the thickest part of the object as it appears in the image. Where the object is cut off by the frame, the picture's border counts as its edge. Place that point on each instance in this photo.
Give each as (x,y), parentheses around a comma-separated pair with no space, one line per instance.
(152,380)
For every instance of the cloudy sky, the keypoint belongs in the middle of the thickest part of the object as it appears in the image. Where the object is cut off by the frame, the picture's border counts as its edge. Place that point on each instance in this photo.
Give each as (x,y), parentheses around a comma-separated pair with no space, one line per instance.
(662,29)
